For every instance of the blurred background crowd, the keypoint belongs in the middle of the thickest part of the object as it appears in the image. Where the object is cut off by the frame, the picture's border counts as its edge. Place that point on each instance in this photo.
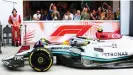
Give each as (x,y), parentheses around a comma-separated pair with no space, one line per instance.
(71,10)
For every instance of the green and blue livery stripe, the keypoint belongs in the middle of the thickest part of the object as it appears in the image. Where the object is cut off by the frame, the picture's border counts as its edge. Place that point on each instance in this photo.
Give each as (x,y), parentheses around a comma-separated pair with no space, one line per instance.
(66,53)
(88,57)
(102,59)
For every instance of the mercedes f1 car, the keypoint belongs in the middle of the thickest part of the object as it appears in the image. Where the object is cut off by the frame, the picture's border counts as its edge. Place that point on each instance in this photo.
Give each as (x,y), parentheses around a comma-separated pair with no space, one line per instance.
(78,52)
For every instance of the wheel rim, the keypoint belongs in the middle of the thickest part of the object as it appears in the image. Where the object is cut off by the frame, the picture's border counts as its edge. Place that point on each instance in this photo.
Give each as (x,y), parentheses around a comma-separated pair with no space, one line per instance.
(40,60)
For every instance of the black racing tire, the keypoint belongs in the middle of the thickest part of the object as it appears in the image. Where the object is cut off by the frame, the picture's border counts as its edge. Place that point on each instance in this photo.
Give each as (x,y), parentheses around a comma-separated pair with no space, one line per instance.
(41,59)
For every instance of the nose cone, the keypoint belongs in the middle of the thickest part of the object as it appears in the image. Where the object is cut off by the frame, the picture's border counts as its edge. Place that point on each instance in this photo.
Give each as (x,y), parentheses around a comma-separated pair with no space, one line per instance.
(6,61)
(8,58)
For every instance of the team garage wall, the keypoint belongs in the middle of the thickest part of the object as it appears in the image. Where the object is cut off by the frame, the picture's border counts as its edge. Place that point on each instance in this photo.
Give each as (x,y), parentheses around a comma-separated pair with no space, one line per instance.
(59,31)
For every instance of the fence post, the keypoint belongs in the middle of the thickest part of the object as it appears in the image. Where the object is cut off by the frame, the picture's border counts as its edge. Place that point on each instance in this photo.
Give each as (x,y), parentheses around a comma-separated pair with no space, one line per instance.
(0,38)
(21,34)
(25,35)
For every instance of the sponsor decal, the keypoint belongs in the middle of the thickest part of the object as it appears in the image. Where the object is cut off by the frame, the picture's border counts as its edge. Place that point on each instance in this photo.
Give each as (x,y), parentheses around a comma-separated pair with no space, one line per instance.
(113,46)
(116,54)
(98,49)
(114,35)
(60,47)
(79,30)
(18,58)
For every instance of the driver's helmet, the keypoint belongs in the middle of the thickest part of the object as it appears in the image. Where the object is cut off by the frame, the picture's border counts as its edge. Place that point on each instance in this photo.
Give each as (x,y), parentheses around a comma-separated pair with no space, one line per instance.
(66,42)
(43,41)
(100,29)
(77,41)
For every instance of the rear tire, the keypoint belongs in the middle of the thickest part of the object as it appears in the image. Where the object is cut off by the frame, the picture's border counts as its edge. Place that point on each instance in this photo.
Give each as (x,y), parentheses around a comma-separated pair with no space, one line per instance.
(41,59)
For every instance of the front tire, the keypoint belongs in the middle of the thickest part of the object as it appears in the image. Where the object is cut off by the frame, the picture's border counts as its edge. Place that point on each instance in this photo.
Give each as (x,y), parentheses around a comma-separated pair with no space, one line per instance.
(41,59)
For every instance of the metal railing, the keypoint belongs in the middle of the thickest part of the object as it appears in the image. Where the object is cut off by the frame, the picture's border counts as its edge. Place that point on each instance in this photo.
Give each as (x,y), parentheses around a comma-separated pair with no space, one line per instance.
(0,38)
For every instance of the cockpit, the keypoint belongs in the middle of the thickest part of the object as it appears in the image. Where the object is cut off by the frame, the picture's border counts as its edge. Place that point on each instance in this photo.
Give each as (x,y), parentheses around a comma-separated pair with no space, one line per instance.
(78,41)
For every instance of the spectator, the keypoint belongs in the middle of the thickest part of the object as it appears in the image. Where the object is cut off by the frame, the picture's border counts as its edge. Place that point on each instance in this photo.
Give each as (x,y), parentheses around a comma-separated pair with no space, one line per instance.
(62,12)
(99,12)
(118,14)
(85,15)
(68,16)
(42,14)
(37,16)
(74,11)
(77,16)
(50,11)
(45,15)
(103,16)
(93,15)
(87,7)
(109,8)
(55,14)
(110,15)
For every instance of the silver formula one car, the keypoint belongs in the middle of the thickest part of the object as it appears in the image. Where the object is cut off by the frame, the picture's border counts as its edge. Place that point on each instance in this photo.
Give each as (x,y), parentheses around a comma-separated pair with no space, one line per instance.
(78,52)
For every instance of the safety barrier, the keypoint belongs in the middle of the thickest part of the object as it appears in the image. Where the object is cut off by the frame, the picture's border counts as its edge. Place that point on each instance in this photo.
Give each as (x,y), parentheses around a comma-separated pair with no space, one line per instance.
(0,32)
(59,31)
(6,36)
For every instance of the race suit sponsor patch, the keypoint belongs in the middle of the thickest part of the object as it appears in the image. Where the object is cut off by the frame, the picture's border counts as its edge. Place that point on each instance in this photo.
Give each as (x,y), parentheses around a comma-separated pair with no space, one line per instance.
(116,54)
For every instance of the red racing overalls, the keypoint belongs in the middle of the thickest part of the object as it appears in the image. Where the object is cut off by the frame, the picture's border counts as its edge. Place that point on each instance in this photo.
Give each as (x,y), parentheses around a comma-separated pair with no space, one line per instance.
(15,21)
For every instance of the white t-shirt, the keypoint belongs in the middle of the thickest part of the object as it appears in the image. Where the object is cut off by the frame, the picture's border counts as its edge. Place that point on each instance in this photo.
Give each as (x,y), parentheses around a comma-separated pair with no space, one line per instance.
(66,17)
(37,16)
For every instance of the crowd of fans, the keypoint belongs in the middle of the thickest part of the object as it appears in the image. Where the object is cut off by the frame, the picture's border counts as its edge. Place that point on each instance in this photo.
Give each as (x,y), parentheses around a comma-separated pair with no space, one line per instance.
(85,14)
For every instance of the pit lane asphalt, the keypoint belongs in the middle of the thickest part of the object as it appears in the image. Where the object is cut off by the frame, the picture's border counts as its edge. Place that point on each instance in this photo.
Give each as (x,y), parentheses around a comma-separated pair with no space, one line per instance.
(56,69)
